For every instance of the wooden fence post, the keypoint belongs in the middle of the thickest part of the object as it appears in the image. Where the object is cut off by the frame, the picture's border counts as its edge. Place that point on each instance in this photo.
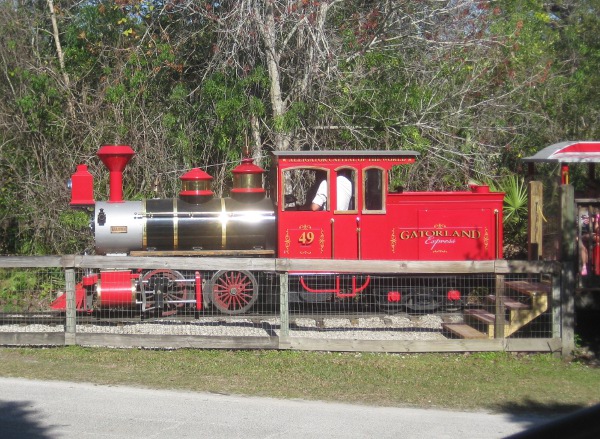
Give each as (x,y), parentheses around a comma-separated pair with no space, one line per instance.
(284,310)
(568,261)
(500,319)
(534,226)
(556,304)
(70,317)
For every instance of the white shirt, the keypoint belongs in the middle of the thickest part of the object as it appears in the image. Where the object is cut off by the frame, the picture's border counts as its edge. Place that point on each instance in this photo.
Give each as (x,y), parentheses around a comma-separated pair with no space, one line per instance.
(344,193)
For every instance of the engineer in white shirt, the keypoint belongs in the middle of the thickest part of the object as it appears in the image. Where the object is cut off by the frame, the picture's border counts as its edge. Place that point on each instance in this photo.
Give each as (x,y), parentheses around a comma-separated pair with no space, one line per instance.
(344,193)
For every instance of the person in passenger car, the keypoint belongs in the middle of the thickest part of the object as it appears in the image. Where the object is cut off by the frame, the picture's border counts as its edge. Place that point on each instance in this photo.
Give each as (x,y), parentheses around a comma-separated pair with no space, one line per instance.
(344,193)
(586,244)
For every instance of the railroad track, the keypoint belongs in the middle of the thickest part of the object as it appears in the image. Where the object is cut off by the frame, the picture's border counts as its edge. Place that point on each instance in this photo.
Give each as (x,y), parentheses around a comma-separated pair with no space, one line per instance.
(254,318)
(31,318)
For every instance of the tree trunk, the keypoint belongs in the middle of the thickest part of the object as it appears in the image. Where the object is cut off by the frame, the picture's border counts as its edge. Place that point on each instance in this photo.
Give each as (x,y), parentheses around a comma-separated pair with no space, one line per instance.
(61,56)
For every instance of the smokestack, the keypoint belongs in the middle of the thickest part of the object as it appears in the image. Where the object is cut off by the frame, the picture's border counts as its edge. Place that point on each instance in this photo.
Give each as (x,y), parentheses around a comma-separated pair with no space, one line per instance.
(115,158)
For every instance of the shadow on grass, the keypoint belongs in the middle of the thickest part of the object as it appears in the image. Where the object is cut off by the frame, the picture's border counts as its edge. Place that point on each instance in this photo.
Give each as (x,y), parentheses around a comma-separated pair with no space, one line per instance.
(19,420)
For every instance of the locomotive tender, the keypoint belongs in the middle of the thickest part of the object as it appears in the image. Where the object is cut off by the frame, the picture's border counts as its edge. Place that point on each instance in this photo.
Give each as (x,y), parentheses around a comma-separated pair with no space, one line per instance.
(379,224)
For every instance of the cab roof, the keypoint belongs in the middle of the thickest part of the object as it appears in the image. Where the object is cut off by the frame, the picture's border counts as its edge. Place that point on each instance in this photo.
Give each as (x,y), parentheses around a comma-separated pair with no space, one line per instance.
(401,154)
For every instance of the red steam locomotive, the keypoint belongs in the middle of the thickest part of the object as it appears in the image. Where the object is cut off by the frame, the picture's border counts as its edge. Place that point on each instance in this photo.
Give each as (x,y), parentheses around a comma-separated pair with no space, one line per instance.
(358,217)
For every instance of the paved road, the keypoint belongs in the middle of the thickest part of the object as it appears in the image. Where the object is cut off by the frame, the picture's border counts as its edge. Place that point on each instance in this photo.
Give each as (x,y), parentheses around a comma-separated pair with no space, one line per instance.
(53,409)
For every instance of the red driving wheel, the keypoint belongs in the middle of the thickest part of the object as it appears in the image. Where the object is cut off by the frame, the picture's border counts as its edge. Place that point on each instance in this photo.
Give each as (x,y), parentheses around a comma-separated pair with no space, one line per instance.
(233,292)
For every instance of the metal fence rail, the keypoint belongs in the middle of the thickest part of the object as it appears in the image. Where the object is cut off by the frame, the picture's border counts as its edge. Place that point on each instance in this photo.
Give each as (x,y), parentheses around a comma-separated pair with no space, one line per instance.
(297,309)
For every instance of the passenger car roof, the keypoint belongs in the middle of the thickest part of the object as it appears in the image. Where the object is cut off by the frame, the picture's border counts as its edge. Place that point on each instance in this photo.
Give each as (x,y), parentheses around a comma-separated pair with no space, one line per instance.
(568,152)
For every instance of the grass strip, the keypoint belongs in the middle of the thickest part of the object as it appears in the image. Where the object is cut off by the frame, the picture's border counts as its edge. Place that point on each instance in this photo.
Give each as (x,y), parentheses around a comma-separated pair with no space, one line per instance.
(499,382)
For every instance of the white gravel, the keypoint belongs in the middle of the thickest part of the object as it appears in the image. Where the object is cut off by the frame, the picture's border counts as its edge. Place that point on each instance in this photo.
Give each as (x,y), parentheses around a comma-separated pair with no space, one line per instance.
(32,328)
(391,327)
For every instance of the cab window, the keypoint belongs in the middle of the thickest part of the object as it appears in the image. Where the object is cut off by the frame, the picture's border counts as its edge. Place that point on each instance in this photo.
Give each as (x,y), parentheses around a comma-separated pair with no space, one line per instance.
(374,188)
(300,187)
(346,190)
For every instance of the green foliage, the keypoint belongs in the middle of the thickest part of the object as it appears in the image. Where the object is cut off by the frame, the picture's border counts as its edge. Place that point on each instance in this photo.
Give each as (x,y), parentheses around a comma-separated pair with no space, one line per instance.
(93,27)
(381,98)
(78,225)
(116,93)
(233,101)
(292,118)
(515,225)
(42,104)
(515,213)
(515,198)
(178,94)
(28,290)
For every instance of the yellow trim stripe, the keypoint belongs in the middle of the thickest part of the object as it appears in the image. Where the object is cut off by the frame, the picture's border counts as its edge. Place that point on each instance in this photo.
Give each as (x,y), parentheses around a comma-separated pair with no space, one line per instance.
(223,224)
(175,226)
(144,226)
